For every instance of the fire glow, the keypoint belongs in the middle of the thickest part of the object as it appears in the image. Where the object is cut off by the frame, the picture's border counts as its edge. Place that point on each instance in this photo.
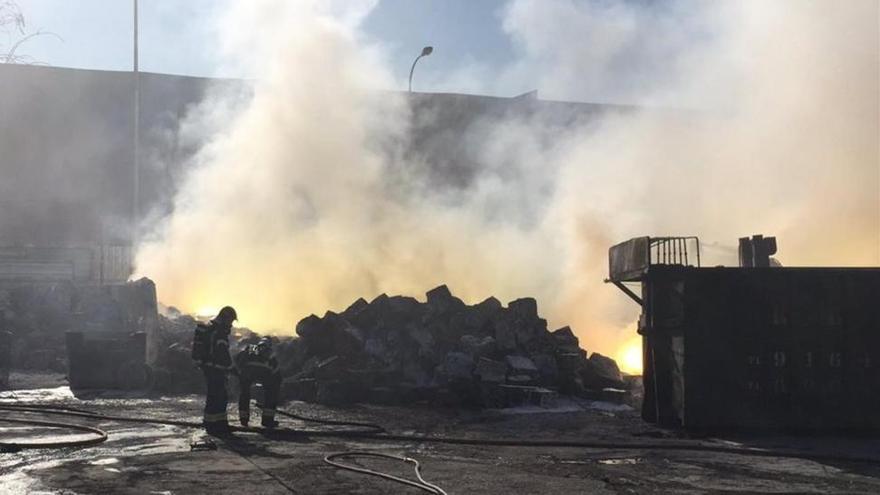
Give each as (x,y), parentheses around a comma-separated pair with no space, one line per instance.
(629,356)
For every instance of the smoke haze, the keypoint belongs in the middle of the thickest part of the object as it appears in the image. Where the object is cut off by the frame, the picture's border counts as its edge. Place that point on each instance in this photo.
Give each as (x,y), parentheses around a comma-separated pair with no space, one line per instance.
(751,117)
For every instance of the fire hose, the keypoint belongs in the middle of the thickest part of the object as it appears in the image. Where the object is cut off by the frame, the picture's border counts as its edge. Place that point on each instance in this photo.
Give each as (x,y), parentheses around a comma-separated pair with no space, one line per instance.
(371,431)
(421,484)
(374,431)
(364,430)
(98,436)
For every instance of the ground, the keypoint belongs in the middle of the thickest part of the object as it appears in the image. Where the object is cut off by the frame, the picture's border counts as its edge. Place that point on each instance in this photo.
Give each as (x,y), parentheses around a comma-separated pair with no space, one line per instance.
(157,459)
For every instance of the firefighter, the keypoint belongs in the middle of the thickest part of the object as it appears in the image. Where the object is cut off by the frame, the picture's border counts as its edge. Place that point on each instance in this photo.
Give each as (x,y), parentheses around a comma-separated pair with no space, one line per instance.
(256,364)
(211,353)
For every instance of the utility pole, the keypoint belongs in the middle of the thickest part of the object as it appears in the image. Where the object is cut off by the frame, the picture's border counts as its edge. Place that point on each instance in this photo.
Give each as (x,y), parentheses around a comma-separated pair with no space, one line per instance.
(136,172)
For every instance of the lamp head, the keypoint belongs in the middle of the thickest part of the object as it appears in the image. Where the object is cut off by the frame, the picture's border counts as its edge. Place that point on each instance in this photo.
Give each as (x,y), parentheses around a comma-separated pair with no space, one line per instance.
(427,51)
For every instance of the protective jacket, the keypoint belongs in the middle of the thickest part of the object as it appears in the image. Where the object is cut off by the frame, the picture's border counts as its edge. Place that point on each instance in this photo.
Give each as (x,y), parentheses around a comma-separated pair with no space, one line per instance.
(252,366)
(216,363)
(217,356)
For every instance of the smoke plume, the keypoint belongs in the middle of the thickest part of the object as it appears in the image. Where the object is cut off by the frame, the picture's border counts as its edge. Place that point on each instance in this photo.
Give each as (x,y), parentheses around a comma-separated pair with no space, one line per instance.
(752,117)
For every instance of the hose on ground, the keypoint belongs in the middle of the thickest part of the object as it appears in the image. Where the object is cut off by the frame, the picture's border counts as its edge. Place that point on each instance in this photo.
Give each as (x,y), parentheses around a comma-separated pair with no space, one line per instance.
(285,434)
(422,484)
(367,427)
(595,444)
(67,411)
(98,436)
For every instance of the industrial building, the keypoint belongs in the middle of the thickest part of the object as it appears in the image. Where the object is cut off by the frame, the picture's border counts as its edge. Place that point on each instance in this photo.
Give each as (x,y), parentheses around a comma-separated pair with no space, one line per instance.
(68,205)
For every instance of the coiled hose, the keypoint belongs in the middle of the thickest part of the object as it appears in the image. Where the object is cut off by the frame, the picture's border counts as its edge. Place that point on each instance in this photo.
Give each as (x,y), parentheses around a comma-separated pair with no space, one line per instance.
(98,436)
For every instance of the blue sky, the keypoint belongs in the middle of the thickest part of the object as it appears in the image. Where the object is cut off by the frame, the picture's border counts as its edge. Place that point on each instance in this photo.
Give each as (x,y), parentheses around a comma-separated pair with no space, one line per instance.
(174,37)
(614,51)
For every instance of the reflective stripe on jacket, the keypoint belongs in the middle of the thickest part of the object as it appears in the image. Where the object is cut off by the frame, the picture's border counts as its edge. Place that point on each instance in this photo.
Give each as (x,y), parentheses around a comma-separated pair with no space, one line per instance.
(252,367)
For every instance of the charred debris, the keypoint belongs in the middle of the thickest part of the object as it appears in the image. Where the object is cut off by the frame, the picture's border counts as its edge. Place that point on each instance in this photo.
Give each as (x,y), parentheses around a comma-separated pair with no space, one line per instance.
(398,350)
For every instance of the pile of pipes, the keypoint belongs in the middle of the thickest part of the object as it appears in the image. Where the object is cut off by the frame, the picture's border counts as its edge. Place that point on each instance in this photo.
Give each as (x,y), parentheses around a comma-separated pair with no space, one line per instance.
(398,350)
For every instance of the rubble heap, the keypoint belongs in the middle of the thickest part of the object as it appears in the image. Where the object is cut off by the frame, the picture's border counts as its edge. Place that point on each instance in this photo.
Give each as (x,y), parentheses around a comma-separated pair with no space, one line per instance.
(174,370)
(397,349)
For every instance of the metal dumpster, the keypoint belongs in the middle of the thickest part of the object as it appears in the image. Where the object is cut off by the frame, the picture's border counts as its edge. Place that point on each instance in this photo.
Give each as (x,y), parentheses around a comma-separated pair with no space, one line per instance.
(107,360)
(758,347)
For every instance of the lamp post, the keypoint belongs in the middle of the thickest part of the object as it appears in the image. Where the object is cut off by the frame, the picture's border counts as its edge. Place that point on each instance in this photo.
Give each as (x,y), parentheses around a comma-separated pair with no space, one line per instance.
(136,172)
(425,52)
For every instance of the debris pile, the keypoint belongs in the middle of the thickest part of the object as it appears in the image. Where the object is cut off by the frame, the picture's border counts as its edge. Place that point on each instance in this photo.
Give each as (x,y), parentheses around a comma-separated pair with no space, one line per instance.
(173,369)
(397,349)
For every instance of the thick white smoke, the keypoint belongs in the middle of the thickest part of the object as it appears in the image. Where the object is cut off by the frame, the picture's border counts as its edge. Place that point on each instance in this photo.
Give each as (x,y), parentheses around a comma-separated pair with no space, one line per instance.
(305,200)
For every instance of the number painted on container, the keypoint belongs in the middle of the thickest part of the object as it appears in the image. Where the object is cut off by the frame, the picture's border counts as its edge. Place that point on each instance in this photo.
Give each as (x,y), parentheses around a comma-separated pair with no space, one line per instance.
(834,360)
(779,359)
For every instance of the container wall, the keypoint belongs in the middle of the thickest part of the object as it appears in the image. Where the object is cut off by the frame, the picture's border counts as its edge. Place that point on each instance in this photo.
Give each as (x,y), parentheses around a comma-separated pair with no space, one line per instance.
(772,348)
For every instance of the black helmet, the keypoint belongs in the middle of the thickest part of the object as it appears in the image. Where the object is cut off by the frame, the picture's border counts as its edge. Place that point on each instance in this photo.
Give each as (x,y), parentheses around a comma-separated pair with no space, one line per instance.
(227,314)
(264,346)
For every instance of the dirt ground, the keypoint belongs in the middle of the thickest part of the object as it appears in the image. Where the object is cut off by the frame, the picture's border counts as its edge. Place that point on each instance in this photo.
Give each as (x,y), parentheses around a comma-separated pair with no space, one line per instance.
(157,459)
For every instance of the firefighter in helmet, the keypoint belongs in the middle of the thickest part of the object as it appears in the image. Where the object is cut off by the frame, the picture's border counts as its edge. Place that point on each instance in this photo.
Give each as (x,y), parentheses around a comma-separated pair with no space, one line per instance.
(256,364)
(211,353)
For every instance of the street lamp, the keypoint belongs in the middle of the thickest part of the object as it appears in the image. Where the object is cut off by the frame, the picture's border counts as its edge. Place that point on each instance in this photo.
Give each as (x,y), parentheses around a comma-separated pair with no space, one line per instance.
(425,52)
(136,173)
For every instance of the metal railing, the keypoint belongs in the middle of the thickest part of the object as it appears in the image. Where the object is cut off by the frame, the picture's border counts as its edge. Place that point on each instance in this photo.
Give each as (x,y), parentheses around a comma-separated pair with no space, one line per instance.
(673,251)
